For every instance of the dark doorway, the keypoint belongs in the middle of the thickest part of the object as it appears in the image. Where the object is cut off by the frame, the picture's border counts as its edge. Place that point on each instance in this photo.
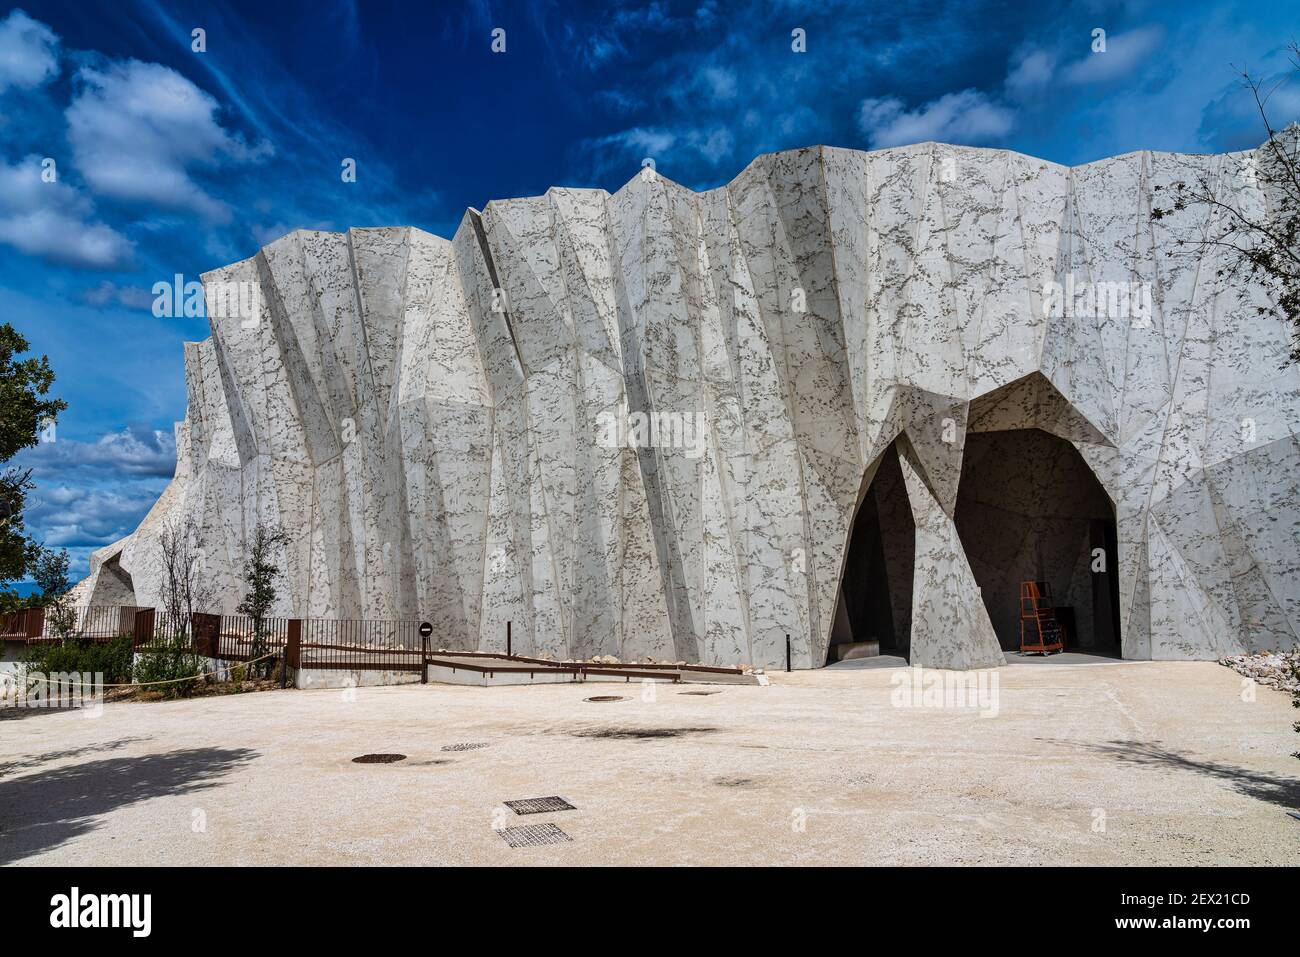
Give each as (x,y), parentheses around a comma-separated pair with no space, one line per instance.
(1030,509)
(875,598)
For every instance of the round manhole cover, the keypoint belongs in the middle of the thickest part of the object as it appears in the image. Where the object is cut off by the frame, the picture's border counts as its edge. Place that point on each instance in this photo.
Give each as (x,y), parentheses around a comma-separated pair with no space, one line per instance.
(606,697)
(378,758)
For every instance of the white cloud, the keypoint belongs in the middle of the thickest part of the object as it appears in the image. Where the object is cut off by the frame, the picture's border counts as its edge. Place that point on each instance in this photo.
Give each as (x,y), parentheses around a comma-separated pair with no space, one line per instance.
(91,493)
(111,294)
(1124,52)
(137,128)
(53,221)
(28,52)
(71,517)
(1031,73)
(132,451)
(719,83)
(646,141)
(967,117)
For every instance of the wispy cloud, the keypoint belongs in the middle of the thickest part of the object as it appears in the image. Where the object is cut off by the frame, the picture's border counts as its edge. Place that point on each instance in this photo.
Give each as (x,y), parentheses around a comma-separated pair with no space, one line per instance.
(111,294)
(1124,53)
(969,118)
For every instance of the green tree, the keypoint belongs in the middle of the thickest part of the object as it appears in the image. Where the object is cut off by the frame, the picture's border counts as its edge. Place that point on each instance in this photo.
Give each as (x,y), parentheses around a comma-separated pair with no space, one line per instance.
(50,572)
(260,574)
(26,412)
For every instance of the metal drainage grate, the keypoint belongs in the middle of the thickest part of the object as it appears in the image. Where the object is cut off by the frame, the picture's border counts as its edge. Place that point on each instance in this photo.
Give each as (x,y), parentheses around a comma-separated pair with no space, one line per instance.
(533,835)
(379,758)
(699,692)
(464,747)
(606,697)
(540,805)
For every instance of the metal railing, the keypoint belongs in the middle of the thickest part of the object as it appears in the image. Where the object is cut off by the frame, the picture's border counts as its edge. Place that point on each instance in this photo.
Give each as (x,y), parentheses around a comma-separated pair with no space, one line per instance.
(361,644)
(97,623)
(321,643)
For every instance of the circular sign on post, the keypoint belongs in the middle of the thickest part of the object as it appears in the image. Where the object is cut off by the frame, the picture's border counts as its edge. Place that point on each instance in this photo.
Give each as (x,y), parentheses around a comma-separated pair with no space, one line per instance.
(426,629)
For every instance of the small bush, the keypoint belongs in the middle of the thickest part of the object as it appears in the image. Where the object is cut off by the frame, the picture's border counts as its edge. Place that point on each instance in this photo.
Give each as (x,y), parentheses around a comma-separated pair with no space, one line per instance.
(113,660)
(168,660)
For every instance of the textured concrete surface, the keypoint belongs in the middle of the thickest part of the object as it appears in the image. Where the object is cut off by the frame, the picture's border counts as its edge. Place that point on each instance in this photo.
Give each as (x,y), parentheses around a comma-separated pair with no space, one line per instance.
(459,430)
(1125,763)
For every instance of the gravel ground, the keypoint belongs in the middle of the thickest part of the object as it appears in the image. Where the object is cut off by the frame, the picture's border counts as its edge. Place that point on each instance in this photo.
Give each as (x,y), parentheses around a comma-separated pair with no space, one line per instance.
(1125,763)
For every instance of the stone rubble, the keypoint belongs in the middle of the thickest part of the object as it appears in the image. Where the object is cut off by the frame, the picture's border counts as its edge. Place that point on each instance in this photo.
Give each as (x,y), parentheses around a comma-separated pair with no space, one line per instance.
(1280,670)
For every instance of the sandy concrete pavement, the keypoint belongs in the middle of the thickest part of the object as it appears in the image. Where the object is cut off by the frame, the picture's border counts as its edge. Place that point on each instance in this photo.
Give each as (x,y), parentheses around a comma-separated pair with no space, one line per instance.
(1124,763)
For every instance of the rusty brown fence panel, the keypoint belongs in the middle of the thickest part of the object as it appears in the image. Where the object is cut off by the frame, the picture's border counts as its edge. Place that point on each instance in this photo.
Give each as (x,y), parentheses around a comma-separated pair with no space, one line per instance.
(206,631)
(99,624)
(18,624)
(142,627)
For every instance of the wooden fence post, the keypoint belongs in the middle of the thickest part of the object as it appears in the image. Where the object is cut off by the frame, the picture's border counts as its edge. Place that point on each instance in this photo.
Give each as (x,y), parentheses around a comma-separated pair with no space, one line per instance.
(292,652)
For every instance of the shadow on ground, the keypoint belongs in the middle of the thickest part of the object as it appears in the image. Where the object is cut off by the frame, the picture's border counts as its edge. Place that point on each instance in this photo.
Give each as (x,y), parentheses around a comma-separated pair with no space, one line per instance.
(45,809)
(1260,785)
(11,713)
(36,760)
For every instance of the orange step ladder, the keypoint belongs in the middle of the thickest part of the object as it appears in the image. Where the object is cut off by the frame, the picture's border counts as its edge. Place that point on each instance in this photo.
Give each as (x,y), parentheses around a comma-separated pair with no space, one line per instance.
(1036,606)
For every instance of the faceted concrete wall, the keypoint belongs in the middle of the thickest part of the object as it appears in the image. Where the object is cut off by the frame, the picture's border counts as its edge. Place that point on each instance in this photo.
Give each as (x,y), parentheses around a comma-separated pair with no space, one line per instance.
(429,419)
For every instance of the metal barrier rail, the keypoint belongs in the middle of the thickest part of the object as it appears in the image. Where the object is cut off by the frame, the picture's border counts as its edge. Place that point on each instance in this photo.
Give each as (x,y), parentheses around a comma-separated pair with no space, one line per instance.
(315,643)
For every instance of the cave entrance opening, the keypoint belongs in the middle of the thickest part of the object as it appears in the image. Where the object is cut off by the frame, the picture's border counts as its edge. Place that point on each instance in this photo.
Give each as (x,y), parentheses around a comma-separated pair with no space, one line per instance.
(1030,509)
(873,613)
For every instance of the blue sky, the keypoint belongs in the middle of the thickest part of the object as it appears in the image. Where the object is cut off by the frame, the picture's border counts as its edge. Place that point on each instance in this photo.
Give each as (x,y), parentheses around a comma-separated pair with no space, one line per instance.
(171,161)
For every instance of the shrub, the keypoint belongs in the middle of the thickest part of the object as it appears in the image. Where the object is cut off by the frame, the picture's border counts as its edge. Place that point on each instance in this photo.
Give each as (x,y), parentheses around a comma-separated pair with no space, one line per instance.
(113,660)
(168,660)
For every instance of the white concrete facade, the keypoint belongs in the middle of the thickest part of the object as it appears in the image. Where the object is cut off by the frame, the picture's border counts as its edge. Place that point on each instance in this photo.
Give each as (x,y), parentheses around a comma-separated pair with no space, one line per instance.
(430,419)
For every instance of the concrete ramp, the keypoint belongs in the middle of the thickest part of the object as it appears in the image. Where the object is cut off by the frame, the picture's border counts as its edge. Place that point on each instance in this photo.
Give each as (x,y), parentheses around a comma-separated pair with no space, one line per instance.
(491,669)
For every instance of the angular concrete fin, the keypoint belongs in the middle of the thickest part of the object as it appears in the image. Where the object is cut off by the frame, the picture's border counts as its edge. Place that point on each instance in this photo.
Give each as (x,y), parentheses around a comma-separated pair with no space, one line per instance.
(950,625)
(1032,402)
(936,433)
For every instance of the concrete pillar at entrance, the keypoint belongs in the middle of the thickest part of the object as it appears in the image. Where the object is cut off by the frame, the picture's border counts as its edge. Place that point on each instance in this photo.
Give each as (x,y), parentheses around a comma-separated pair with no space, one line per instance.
(950,625)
